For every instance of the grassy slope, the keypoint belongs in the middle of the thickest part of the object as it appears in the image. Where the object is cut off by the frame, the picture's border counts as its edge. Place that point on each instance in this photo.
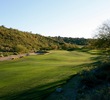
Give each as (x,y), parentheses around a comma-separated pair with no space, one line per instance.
(33,77)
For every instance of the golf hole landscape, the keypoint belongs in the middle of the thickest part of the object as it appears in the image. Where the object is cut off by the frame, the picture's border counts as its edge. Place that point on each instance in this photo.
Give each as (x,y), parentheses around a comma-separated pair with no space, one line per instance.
(54,49)
(36,76)
(35,67)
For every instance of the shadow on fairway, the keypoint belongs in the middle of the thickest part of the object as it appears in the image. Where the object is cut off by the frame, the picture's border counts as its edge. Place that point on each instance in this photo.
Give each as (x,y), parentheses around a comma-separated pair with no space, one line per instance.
(39,93)
(36,93)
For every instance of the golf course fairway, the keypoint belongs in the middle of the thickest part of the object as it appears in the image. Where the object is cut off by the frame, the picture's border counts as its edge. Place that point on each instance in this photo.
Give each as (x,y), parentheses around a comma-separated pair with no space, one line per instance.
(34,77)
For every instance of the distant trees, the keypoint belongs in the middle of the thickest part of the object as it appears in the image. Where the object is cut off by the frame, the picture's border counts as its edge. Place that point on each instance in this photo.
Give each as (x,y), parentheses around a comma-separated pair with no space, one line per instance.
(68,46)
(77,41)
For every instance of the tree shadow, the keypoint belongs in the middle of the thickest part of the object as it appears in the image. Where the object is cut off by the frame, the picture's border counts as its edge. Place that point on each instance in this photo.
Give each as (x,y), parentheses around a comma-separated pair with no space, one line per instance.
(35,93)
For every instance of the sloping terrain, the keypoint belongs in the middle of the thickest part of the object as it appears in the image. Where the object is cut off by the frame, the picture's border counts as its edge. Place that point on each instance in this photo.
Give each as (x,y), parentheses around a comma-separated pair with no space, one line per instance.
(34,77)
(12,39)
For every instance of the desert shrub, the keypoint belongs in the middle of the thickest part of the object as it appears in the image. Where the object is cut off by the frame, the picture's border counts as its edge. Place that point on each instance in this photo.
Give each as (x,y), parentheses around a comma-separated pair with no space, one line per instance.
(89,80)
(100,93)
(20,49)
(95,83)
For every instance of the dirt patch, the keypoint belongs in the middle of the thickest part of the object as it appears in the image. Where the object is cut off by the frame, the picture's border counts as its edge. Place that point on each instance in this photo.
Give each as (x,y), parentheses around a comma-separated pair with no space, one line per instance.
(12,57)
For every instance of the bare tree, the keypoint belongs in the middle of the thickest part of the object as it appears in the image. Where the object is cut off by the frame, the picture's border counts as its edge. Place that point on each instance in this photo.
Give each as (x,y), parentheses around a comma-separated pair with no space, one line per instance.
(103,36)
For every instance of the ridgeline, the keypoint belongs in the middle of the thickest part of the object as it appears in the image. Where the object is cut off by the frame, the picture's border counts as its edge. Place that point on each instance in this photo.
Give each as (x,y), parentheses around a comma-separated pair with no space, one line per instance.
(13,40)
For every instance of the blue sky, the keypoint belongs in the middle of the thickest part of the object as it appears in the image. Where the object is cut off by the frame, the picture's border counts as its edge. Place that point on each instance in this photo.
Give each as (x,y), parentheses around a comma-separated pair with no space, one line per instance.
(68,18)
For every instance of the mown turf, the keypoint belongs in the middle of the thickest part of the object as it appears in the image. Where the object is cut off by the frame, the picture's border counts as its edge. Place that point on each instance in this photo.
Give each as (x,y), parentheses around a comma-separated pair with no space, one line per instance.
(33,77)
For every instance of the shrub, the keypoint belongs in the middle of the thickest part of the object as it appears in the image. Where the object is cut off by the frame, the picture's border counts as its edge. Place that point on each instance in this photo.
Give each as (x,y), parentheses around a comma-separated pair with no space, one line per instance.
(20,49)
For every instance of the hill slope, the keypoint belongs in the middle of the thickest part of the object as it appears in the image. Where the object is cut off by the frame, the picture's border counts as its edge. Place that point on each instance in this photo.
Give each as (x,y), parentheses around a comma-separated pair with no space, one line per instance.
(13,40)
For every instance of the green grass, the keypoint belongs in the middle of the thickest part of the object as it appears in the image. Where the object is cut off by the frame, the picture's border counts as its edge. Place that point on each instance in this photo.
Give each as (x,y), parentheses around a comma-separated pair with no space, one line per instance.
(33,77)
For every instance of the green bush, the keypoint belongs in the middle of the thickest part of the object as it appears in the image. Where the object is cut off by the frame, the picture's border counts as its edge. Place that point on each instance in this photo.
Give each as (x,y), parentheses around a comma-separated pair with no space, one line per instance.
(20,49)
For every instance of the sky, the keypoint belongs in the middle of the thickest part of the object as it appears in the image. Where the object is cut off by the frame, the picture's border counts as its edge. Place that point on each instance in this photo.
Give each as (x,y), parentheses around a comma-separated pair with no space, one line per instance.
(67,18)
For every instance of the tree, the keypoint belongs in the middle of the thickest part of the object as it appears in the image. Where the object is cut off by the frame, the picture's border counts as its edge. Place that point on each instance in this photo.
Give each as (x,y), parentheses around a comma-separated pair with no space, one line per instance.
(102,39)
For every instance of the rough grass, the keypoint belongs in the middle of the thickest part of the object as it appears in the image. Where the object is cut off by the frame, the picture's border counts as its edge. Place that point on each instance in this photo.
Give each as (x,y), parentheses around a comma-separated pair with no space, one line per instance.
(34,77)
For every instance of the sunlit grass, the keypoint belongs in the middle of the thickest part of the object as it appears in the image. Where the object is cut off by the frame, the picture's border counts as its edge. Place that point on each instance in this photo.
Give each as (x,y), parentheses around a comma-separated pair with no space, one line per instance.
(33,77)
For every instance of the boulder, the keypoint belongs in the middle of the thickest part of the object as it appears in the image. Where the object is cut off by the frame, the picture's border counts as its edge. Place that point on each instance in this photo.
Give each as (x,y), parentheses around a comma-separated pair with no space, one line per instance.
(59,89)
